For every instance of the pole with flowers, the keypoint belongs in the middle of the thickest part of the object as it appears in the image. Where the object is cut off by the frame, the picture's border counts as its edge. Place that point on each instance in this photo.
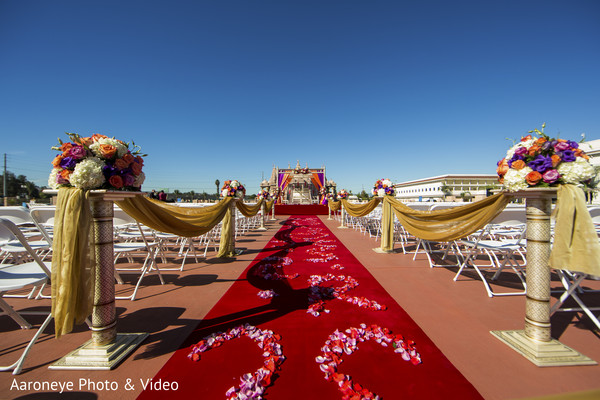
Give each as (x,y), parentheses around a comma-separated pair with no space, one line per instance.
(382,188)
(264,196)
(533,169)
(343,195)
(90,174)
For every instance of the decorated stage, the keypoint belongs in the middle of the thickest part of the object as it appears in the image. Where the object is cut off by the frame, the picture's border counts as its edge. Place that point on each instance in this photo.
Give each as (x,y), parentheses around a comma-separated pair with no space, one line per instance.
(301,209)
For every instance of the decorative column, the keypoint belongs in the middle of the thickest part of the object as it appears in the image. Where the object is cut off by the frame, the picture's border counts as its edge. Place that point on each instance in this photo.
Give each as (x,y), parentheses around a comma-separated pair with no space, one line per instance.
(535,342)
(343,223)
(107,348)
(263,208)
(273,211)
(328,212)
(387,228)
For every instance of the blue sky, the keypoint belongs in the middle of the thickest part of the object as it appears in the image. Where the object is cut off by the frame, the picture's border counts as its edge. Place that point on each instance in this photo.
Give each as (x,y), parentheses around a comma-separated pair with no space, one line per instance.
(227,89)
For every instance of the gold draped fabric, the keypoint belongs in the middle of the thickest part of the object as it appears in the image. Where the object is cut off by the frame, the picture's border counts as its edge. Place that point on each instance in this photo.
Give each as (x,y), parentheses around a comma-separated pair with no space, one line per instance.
(387,227)
(247,210)
(73,261)
(334,205)
(226,243)
(360,210)
(576,245)
(269,206)
(187,222)
(449,224)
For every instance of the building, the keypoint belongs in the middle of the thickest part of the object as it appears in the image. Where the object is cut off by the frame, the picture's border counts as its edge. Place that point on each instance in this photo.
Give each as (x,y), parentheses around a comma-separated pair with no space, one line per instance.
(452,187)
(592,149)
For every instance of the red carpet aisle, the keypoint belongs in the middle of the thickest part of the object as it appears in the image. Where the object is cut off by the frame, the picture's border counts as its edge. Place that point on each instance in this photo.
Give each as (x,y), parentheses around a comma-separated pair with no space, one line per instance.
(327,318)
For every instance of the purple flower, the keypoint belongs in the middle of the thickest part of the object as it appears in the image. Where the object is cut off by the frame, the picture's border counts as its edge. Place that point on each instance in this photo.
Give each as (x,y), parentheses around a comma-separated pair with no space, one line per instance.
(110,170)
(540,163)
(566,156)
(546,146)
(562,146)
(572,144)
(128,180)
(68,163)
(550,176)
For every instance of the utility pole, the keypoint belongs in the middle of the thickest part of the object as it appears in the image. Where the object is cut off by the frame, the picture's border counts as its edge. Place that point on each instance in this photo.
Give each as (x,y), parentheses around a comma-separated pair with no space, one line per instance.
(4,183)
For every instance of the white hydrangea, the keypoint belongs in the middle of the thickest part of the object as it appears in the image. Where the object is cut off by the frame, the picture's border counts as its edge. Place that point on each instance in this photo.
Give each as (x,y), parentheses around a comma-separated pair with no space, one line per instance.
(387,182)
(121,148)
(52,178)
(88,174)
(511,152)
(139,180)
(515,179)
(380,192)
(577,171)
(234,184)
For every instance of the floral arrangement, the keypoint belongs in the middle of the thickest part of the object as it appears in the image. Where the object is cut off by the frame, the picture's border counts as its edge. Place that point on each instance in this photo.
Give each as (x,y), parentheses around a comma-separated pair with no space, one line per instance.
(97,162)
(232,188)
(301,170)
(544,162)
(340,343)
(383,187)
(252,385)
(342,194)
(263,194)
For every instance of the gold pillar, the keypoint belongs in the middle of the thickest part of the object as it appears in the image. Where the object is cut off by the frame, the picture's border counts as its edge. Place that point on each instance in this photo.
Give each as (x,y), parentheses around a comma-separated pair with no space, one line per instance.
(106,349)
(343,223)
(387,229)
(535,342)
(263,209)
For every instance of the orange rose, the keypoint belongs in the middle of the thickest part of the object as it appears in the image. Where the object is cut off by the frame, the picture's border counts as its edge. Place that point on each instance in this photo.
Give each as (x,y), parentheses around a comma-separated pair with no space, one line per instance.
(107,150)
(128,158)
(555,160)
(97,136)
(136,168)
(528,137)
(540,141)
(502,167)
(121,164)
(139,160)
(533,150)
(581,153)
(57,160)
(116,181)
(65,147)
(533,178)
(65,174)
(518,164)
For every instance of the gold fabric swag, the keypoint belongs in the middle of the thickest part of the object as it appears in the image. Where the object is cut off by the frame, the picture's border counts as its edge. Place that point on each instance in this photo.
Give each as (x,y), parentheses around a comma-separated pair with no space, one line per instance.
(73,260)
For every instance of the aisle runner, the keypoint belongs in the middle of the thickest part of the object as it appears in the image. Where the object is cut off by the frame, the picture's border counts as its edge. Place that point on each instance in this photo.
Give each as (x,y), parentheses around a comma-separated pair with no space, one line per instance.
(307,321)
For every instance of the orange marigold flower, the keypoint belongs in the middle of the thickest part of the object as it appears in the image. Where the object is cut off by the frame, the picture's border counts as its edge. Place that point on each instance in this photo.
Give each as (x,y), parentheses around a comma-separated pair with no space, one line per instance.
(518,164)
(533,178)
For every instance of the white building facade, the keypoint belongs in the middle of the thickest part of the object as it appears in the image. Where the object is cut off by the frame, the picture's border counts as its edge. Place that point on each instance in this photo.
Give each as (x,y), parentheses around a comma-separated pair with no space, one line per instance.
(454,187)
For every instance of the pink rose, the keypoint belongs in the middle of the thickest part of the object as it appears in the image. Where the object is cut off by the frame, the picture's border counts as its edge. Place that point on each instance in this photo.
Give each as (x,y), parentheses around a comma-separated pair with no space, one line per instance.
(562,146)
(551,176)
(77,152)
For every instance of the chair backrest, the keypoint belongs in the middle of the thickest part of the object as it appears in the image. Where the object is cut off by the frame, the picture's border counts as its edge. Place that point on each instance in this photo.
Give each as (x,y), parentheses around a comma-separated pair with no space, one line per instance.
(17,214)
(511,217)
(8,228)
(43,215)
(122,218)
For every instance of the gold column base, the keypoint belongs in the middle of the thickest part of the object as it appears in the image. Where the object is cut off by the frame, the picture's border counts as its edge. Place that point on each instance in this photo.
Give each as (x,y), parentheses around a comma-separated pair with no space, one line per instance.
(104,358)
(543,354)
(262,228)
(342,227)
(382,251)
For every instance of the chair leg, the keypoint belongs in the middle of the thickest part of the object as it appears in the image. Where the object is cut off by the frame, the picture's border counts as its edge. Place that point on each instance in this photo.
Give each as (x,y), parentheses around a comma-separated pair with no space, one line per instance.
(18,365)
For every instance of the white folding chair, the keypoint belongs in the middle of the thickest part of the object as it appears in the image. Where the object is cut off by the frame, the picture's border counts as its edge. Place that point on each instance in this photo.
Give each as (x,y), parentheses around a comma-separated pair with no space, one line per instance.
(501,253)
(17,277)
(572,282)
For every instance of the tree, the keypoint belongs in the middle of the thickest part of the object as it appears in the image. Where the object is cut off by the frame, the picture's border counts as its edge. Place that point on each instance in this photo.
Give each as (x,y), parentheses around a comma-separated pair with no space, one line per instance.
(217,183)
(446,190)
